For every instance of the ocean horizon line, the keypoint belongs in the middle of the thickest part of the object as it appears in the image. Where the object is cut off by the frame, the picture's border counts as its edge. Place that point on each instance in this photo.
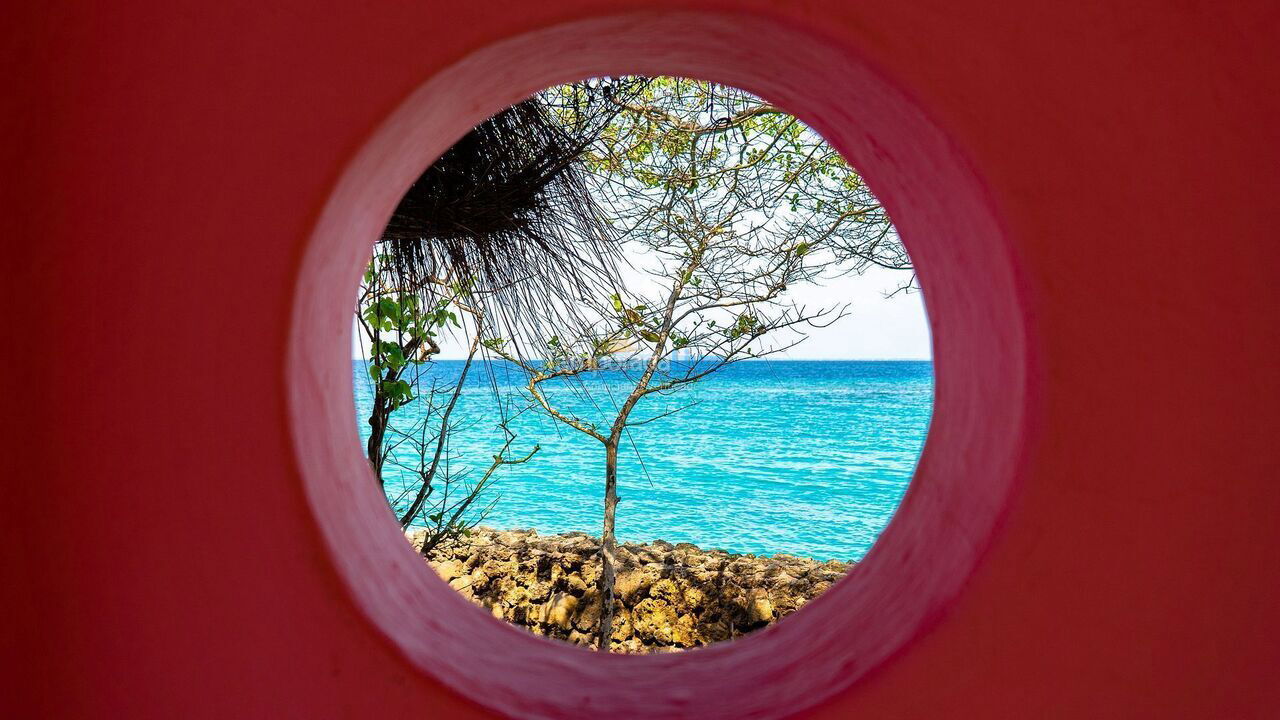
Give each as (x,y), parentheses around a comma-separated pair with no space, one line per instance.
(753,360)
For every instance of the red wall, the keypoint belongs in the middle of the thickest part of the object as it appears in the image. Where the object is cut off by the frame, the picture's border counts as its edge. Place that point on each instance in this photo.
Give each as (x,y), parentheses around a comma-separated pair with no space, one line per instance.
(1089,188)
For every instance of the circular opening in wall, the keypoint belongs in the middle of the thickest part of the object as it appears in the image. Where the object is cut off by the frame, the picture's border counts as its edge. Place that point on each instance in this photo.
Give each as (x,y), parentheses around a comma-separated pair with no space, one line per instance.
(641,364)
(922,559)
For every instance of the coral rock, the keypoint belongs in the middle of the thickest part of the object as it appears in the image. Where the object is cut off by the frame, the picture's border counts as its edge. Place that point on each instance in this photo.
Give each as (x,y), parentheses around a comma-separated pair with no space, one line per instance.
(668,597)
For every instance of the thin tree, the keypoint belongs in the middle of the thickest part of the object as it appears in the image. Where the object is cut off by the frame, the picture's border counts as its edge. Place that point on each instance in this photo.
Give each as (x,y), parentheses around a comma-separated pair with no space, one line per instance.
(730,202)
(399,336)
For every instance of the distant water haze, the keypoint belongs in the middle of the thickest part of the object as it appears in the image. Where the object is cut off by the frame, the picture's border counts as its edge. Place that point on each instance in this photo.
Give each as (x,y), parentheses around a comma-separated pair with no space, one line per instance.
(809,458)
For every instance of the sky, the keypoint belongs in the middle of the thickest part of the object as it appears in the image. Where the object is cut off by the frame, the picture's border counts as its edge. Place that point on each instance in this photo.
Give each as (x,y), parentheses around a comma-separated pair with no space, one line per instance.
(876,328)
(879,325)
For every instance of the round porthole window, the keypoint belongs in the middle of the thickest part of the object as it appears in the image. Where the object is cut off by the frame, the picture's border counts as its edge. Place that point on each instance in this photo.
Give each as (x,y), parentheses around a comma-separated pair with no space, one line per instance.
(652,288)
(923,556)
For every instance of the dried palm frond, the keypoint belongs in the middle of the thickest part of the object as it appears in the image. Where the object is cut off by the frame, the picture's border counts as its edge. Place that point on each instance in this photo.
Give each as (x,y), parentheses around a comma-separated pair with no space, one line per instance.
(508,212)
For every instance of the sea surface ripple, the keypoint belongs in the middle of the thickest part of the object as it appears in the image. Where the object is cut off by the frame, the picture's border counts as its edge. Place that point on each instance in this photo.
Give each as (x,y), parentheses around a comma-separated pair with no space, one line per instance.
(809,458)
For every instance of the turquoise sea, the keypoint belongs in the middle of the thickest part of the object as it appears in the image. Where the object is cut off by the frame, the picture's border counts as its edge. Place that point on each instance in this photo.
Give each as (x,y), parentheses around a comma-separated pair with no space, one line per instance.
(803,457)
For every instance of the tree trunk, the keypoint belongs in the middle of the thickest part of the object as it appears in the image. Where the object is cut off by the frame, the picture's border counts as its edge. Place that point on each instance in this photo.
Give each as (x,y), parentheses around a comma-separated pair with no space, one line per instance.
(608,544)
(377,431)
(380,417)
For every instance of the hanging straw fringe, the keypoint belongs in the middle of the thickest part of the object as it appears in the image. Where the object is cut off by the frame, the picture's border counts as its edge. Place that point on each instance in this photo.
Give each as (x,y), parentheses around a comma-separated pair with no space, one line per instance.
(508,210)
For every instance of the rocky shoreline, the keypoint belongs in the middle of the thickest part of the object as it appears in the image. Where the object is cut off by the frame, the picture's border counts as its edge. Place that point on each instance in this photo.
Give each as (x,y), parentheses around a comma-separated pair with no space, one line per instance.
(670,597)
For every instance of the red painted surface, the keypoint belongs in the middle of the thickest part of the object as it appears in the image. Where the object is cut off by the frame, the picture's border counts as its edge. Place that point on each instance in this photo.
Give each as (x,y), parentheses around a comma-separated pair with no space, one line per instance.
(1088,188)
